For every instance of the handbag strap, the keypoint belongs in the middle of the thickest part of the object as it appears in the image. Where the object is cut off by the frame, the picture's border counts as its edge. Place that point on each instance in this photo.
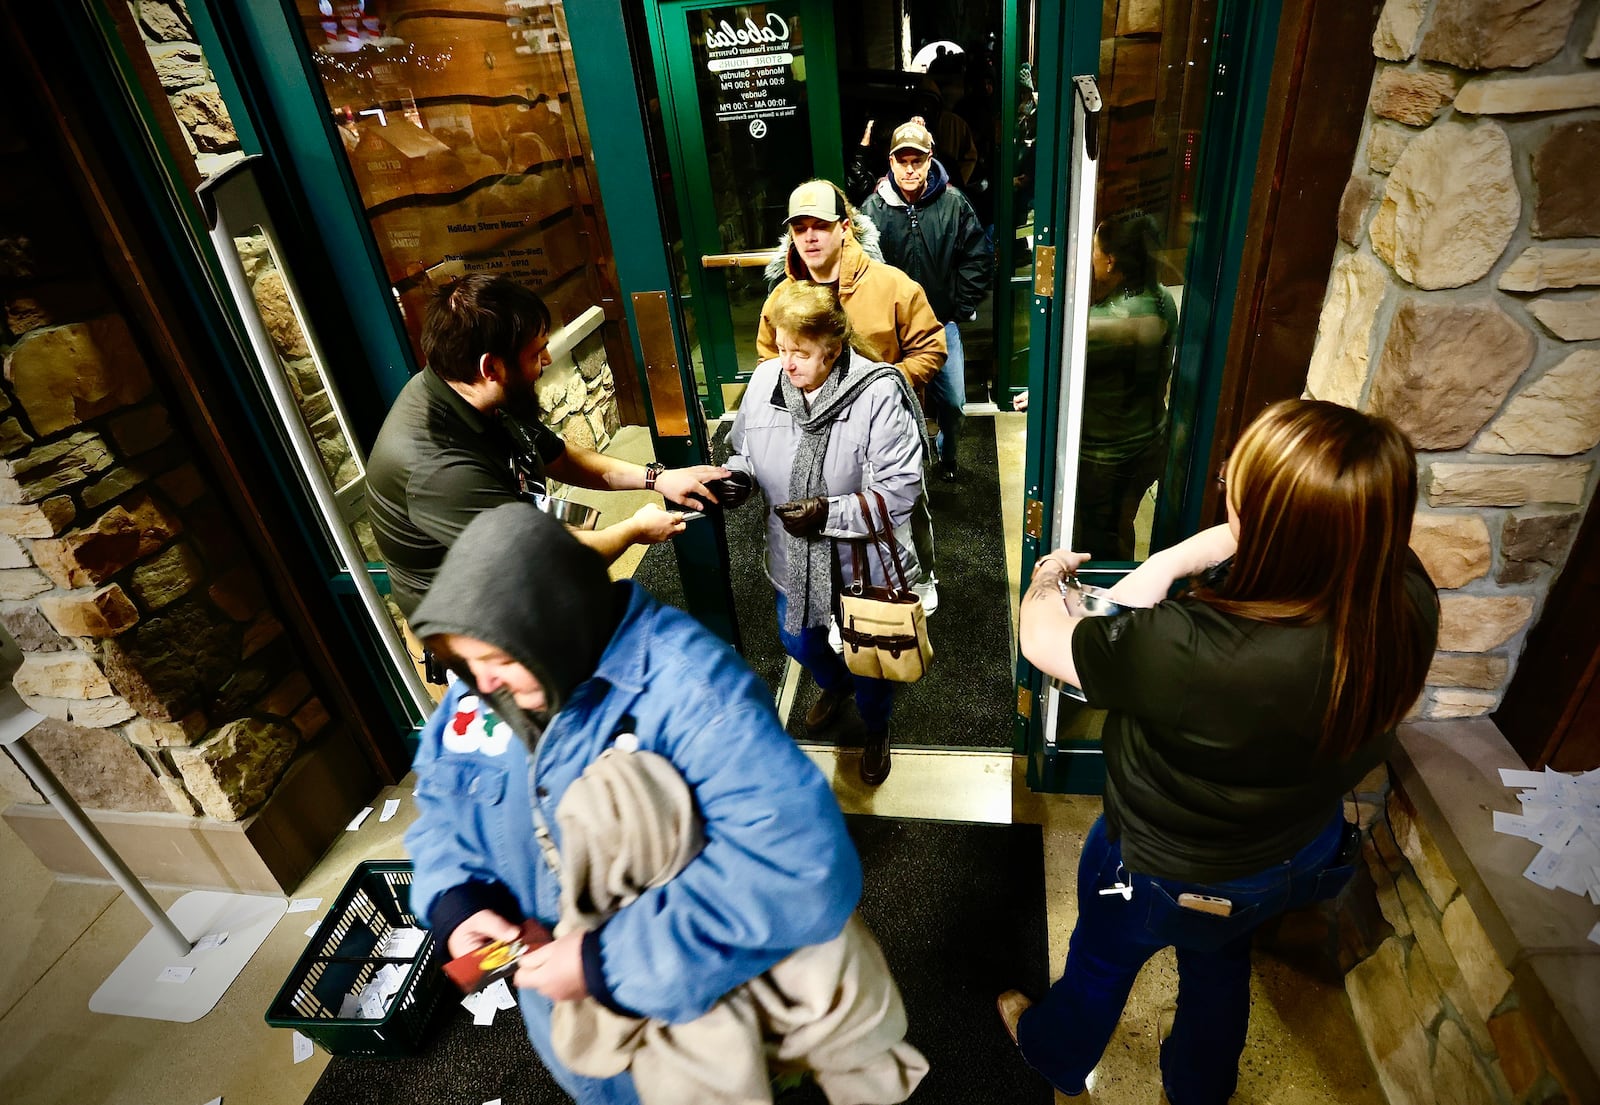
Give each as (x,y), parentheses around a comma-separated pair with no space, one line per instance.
(888,547)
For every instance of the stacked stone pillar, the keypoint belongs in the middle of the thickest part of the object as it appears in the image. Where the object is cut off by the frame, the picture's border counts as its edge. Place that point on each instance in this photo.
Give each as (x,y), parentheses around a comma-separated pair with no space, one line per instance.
(1464,305)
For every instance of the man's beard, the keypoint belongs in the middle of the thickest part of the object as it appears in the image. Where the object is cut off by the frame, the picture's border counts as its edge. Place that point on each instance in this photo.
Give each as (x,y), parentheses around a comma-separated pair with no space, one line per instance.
(522,399)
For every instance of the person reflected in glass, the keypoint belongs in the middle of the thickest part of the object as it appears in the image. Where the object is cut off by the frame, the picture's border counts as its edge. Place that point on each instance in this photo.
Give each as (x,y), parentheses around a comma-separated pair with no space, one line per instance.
(1238,715)
(819,423)
(1133,325)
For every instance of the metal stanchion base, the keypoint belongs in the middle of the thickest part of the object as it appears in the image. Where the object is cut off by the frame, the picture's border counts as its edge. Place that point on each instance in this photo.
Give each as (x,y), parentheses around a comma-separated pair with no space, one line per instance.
(136,988)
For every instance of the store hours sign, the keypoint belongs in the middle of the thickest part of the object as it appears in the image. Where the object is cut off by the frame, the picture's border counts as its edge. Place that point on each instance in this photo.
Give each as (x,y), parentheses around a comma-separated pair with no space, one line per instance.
(752,58)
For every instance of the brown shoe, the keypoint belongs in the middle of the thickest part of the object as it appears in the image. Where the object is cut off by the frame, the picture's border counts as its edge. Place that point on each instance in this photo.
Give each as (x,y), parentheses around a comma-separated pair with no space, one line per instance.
(826,708)
(875,758)
(1011,1005)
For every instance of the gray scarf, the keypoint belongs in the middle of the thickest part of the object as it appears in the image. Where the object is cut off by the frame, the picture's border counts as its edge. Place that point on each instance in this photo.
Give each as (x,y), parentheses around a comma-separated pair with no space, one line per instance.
(809,560)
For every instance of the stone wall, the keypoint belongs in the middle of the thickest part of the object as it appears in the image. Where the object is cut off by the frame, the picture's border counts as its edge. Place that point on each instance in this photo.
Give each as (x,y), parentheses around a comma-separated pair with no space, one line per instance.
(1441,1017)
(579,395)
(1462,304)
(168,682)
(185,77)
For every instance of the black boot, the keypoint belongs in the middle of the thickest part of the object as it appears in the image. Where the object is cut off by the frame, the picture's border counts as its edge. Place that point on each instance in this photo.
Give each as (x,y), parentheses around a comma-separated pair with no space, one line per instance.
(875,758)
(826,707)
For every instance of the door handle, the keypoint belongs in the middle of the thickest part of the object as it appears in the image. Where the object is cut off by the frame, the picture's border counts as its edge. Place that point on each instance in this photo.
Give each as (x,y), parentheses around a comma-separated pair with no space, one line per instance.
(758,259)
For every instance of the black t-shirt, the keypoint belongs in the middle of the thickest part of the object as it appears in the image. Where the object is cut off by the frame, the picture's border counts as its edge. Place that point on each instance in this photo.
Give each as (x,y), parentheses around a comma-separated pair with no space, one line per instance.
(437,464)
(1210,744)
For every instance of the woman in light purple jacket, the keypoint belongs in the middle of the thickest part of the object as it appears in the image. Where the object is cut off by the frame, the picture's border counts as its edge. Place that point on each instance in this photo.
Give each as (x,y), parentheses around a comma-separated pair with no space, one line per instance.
(819,423)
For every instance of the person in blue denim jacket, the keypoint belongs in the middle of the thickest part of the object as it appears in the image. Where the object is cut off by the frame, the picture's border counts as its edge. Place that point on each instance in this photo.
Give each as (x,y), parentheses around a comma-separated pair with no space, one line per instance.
(558,663)
(1239,713)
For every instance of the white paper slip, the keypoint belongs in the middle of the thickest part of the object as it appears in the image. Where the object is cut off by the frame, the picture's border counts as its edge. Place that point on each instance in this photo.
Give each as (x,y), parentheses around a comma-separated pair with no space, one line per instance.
(355,822)
(1545,870)
(391,806)
(1513,778)
(311,929)
(1594,933)
(175,974)
(304,905)
(496,1101)
(402,943)
(1556,832)
(215,1101)
(302,1048)
(483,1015)
(1513,824)
(499,993)
(210,940)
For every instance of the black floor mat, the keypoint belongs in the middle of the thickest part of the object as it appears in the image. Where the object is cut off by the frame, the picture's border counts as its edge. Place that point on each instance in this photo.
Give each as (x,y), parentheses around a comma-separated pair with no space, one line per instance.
(960,912)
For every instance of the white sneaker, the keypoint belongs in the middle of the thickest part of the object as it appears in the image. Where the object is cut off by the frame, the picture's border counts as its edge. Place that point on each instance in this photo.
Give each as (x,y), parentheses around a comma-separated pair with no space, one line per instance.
(928,592)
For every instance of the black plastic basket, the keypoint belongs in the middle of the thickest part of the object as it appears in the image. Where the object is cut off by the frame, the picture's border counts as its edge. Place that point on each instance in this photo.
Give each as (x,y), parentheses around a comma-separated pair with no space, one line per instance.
(342,958)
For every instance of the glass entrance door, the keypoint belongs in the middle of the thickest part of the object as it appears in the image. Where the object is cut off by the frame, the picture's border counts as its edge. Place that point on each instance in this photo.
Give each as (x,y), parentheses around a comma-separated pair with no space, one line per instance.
(420,142)
(1154,142)
(752,92)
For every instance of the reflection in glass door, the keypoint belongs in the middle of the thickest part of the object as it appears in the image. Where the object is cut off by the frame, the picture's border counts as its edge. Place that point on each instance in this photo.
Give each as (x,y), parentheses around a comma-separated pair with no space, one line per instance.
(754,102)
(1154,79)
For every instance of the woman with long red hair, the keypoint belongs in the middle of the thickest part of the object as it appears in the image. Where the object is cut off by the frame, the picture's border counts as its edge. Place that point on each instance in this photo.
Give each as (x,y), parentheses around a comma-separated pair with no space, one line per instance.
(1239,713)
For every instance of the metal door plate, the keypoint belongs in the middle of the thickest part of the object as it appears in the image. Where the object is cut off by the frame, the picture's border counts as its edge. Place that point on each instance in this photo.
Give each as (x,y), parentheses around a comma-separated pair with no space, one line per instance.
(653,316)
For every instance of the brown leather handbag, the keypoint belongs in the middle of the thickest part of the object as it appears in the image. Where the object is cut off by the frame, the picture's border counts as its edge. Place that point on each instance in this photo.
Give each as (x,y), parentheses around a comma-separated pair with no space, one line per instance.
(884,629)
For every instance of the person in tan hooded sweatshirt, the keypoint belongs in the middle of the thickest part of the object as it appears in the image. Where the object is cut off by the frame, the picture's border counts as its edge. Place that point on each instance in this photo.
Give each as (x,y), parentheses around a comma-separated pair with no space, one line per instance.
(829,242)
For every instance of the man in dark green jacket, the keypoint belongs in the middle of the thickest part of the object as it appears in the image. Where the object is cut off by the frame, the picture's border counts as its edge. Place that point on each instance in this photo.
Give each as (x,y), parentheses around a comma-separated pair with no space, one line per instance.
(928,229)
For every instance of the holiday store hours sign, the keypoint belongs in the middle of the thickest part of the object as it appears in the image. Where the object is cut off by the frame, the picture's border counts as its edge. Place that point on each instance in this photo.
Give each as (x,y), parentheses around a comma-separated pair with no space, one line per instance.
(754,65)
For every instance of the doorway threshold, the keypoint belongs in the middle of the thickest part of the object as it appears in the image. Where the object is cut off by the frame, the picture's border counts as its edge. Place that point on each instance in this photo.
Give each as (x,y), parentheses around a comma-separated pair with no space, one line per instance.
(936,784)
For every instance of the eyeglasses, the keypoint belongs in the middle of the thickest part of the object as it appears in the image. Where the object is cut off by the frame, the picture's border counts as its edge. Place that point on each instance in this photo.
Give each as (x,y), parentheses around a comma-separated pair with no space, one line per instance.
(1222,476)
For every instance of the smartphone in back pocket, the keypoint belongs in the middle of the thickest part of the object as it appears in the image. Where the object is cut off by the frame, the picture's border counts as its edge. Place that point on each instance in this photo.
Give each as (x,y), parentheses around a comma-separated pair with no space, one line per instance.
(1205,903)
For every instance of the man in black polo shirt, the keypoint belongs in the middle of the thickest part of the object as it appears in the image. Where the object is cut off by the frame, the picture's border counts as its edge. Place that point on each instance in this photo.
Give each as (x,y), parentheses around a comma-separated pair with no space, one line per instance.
(465,432)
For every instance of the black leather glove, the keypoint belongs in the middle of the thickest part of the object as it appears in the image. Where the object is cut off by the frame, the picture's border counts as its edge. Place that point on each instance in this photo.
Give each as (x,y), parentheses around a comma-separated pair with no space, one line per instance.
(803,517)
(733,489)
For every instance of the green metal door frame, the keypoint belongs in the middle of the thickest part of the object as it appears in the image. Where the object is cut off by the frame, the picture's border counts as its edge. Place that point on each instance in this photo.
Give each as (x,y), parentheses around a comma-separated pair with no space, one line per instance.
(271,83)
(1241,65)
(1005,214)
(677,86)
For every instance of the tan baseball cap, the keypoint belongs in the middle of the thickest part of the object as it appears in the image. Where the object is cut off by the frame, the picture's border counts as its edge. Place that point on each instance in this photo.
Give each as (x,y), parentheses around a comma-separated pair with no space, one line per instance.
(817,199)
(911,136)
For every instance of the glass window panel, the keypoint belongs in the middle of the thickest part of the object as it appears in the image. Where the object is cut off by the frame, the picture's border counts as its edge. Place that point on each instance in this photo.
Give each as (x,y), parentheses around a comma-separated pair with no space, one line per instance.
(465,131)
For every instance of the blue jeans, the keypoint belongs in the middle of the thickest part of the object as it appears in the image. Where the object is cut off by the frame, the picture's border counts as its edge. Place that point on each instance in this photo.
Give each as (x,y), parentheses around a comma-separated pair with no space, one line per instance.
(874,697)
(947,394)
(617,1090)
(1063,1036)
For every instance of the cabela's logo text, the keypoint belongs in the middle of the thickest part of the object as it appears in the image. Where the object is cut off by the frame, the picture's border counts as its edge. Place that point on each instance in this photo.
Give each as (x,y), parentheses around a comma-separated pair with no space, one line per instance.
(725,36)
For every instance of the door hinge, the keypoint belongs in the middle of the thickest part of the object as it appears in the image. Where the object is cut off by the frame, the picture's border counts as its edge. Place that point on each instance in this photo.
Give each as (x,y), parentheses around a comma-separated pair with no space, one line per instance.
(1033,525)
(1025,702)
(1044,271)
